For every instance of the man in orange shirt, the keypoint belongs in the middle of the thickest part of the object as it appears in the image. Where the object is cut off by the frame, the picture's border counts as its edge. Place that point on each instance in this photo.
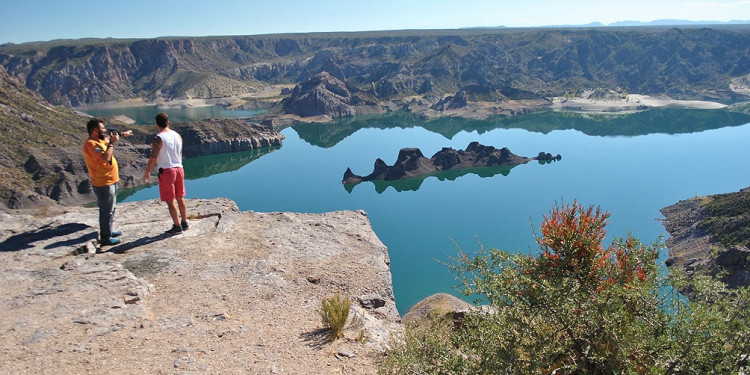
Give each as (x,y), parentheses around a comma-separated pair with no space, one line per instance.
(98,152)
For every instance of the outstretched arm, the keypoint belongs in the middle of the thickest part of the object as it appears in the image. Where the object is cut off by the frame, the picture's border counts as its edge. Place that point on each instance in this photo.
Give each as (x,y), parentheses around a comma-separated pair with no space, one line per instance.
(106,156)
(155,148)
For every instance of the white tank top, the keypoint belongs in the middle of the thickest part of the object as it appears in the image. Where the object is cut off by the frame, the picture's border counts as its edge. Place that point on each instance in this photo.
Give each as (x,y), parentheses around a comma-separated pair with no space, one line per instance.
(170,155)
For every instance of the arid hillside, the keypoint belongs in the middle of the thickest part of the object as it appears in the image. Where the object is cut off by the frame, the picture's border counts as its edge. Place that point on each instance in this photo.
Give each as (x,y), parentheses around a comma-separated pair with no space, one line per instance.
(690,62)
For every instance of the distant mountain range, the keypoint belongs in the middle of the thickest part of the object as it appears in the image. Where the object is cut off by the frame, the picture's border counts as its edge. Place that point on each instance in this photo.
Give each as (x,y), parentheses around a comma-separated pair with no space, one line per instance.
(663,22)
(670,22)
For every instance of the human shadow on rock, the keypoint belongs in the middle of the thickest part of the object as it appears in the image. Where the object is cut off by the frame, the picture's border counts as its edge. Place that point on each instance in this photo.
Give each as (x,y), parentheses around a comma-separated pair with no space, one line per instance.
(75,242)
(125,246)
(25,240)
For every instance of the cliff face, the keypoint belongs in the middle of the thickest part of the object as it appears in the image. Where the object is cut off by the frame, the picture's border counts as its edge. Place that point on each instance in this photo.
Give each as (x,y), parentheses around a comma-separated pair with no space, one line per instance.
(711,235)
(683,63)
(236,293)
(209,137)
(75,74)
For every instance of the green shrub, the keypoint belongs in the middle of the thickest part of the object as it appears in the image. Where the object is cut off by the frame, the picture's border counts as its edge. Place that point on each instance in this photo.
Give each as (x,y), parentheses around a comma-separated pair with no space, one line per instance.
(727,218)
(579,307)
(333,313)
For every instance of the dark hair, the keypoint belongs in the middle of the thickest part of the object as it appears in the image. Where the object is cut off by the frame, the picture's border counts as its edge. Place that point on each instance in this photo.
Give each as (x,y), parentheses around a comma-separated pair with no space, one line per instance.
(162,120)
(93,124)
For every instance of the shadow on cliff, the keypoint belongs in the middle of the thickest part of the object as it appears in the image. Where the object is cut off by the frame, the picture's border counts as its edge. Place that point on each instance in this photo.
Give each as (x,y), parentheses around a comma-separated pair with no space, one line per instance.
(71,235)
(125,246)
(413,184)
(25,240)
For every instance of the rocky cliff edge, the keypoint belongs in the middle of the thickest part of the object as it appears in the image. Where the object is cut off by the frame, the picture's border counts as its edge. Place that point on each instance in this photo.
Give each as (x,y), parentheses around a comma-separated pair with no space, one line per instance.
(710,235)
(237,293)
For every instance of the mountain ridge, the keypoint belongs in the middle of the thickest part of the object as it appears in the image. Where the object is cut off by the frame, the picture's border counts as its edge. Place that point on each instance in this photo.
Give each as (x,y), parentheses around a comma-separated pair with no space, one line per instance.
(681,62)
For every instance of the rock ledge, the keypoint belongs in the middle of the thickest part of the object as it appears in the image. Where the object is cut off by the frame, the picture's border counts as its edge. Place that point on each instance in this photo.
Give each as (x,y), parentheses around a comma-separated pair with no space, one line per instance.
(237,293)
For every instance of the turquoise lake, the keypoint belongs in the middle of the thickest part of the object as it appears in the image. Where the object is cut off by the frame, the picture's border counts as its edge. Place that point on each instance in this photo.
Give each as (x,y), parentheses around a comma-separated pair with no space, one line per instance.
(630,165)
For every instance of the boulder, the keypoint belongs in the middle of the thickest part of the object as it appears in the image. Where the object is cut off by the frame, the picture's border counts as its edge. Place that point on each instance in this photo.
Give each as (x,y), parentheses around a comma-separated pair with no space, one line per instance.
(452,102)
(733,257)
(321,94)
(548,156)
(440,304)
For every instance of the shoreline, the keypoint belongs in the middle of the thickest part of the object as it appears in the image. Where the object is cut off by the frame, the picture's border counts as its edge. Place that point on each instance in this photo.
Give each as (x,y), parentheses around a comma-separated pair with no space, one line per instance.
(628,103)
(175,103)
(228,101)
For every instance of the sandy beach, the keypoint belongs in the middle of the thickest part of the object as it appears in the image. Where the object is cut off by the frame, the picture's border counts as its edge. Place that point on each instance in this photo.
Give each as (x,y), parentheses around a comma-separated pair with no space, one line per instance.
(631,102)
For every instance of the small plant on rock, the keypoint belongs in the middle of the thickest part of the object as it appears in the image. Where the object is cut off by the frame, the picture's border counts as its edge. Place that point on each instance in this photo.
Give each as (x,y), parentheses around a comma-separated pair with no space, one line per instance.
(333,312)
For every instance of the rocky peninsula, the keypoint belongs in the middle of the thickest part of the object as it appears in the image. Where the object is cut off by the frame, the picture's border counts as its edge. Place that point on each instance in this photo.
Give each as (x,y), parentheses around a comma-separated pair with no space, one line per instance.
(412,163)
(711,235)
(237,293)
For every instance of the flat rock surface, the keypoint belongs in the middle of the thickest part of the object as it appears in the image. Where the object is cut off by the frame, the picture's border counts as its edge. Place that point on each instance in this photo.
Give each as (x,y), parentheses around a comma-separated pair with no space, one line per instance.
(237,293)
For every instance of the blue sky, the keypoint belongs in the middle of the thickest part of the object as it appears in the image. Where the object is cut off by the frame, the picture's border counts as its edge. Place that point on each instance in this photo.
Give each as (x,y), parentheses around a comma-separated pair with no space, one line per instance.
(40,20)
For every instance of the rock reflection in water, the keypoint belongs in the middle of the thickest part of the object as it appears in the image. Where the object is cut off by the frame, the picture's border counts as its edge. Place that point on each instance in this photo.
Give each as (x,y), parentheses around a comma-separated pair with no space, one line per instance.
(413,184)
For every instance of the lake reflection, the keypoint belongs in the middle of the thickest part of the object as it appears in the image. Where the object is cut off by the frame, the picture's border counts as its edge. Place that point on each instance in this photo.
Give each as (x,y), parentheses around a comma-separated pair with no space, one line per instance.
(660,120)
(631,166)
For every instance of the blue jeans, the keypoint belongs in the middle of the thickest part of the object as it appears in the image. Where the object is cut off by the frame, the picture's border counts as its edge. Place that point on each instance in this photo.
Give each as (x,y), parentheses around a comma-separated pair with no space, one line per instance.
(106,199)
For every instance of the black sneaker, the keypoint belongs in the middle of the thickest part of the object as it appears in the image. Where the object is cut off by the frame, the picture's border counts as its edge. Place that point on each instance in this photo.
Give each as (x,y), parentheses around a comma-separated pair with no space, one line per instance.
(184,225)
(176,229)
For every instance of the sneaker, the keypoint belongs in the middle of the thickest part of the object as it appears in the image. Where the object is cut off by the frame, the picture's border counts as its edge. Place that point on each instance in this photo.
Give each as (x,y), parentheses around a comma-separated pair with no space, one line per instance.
(116,233)
(109,242)
(176,229)
(184,225)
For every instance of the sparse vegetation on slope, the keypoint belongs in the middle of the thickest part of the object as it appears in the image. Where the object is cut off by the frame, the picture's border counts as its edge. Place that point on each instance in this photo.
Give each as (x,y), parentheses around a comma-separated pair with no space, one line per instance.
(727,218)
(33,133)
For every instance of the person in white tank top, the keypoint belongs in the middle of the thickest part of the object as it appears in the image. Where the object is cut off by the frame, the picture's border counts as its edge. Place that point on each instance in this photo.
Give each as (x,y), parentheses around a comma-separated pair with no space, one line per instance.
(166,154)
(170,155)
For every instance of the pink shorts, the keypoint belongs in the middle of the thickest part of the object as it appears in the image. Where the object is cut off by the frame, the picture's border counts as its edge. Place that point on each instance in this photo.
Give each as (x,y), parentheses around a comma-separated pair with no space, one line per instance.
(171,184)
